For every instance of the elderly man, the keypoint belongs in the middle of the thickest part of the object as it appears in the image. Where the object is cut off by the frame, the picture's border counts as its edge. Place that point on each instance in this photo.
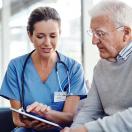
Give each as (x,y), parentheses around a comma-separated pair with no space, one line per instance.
(109,104)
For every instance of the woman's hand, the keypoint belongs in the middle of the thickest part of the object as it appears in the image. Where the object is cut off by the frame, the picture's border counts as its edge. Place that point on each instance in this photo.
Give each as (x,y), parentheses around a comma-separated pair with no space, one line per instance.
(38,108)
(17,120)
(21,121)
(16,117)
(37,125)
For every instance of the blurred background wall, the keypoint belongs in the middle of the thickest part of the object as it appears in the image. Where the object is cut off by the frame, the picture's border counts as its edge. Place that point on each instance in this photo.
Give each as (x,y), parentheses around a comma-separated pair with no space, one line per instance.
(75,42)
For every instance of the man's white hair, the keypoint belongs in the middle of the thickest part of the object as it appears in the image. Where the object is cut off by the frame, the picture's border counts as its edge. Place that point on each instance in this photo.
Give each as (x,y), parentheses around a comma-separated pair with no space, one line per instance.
(119,12)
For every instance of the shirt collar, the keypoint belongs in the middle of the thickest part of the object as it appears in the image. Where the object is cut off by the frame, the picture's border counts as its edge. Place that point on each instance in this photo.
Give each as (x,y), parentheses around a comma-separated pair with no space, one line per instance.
(124,53)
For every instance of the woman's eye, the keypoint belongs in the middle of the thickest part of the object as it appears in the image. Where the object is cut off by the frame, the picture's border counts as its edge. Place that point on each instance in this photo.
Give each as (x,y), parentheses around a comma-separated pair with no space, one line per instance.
(52,36)
(39,37)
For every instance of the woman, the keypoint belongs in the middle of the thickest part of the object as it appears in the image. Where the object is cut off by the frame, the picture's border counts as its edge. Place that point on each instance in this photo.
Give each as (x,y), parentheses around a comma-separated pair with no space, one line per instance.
(44,82)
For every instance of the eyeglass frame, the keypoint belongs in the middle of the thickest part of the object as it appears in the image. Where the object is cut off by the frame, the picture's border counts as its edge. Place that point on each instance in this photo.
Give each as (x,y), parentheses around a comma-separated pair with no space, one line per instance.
(100,34)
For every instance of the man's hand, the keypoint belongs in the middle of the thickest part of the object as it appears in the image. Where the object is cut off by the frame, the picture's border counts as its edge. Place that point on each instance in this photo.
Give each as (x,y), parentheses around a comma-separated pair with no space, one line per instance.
(79,129)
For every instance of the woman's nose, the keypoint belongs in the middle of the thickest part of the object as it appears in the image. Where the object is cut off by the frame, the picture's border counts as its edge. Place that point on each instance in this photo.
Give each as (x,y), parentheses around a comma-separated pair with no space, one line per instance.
(47,41)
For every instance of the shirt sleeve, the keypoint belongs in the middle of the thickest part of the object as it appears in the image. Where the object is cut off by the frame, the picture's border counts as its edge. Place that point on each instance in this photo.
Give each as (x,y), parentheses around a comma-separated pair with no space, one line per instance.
(10,87)
(77,81)
(119,122)
(94,119)
(91,110)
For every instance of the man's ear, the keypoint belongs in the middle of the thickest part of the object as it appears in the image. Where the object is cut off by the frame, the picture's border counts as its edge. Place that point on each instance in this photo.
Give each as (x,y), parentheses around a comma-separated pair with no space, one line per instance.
(127,33)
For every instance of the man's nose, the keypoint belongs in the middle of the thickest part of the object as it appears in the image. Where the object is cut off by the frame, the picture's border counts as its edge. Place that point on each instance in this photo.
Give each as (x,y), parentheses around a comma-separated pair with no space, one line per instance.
(95,39)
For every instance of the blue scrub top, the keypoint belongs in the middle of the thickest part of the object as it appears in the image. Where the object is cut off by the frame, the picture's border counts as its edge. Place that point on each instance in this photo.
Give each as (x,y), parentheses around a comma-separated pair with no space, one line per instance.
(43,92)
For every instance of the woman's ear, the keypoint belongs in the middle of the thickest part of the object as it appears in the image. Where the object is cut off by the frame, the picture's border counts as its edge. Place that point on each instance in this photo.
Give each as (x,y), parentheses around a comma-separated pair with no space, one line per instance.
(30,36)
(127,33)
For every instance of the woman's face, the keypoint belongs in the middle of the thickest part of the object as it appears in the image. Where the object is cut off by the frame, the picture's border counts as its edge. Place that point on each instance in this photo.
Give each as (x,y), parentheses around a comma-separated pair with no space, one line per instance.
(45,37)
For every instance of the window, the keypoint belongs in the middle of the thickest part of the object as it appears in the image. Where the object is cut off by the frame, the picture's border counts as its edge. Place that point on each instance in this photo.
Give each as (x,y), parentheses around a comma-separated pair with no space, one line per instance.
(19,44)
(70,43)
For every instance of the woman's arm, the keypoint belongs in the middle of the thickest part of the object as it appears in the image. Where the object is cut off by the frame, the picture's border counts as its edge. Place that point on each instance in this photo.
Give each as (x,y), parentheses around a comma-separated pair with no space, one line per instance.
(16,118)
(63,118)
(66,116)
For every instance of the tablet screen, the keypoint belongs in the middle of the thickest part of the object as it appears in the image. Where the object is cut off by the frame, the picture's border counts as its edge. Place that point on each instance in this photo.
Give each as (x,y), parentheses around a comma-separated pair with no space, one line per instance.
(20,111)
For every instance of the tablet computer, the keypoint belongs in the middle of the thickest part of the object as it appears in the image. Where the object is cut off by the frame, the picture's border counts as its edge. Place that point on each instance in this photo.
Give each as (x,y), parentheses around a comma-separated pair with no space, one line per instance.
(20,111)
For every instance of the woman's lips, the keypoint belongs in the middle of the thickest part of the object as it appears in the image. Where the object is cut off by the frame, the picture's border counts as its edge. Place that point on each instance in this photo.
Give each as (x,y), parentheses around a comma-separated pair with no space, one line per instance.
(46,50)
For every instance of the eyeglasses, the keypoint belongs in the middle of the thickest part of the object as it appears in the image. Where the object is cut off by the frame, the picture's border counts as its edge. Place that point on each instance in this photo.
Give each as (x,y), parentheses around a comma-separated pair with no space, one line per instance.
(100,34)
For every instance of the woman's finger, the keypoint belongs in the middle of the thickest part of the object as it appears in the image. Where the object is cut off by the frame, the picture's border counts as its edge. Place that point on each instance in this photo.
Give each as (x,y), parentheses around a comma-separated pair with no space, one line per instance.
(31,107)
(38,108)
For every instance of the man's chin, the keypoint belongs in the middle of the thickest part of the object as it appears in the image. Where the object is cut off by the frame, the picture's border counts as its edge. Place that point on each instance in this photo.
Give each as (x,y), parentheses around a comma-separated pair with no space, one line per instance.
(102,56)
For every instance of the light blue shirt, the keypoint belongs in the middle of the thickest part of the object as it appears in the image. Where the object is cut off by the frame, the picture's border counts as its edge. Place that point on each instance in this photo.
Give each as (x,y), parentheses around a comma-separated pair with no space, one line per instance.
(43,92)
(35,89)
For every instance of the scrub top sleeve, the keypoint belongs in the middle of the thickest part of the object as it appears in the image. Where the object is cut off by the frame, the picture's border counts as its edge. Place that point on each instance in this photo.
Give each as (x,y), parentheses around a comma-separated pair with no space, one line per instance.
(10,87)
(77,81)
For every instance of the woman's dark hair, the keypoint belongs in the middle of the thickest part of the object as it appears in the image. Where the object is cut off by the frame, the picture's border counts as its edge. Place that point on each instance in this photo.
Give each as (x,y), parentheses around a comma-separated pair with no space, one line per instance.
(40,14)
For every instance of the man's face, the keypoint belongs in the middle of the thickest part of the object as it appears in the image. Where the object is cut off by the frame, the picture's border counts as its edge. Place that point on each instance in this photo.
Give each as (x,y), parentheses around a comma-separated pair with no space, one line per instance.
(107,37)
